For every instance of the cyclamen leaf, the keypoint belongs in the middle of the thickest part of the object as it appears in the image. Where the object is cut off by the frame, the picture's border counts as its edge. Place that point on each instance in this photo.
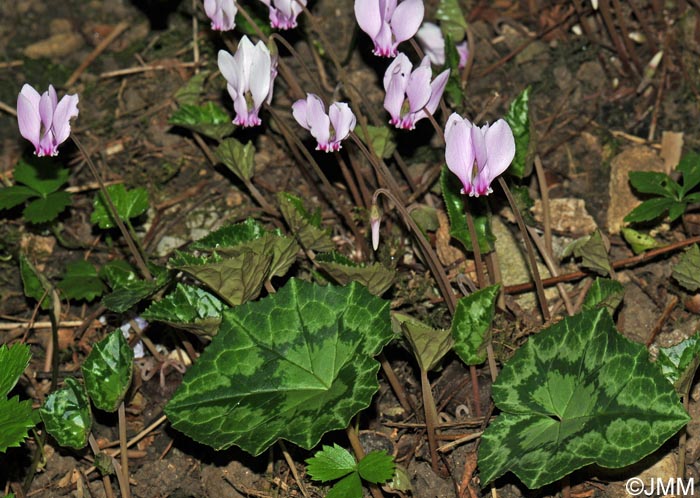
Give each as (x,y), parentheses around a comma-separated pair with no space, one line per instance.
(679,363)
(575,394)
(376,467)
(46,208)
(305,226)
(208,119)
(67,416)
(593,251)
(294,365)
(604,293)
(451,19)
(687,271)
(36,285)
(689,165)
(16,418)
(15,195)
(129,290)
(650,209)
(471,324)
(118,273)
(81,281)
(14,361)
(189,308)
(429,345)
(376,277)
(332,462)
(129,204)
(107,371)
(518,117)
(454,201)
(41,174)
(190,92)
(381,139)
(238,158)
(654,182)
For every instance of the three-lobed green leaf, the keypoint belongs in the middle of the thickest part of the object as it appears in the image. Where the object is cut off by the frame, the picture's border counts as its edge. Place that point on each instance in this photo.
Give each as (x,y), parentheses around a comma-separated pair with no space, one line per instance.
(107,371)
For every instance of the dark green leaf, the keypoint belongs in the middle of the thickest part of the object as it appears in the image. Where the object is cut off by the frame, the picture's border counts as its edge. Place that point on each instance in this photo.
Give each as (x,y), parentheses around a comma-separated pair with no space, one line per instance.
(604,293)
(129,204)
(15,195)
(13,360)
(348,487)
(66,414)
(639,242)
(452,21)
(247,28)
(230,235)
(294,365)
(650,210)
(81,281)
(238,158)
(381,138)
(376,277)
(16,418)
(687,271)
(471,324)
(429,345)
(127,288)
(43,174)
(107,371)
(454,201)
(118,273)
(653,182)
(677,210)
(189,308)
(36,285)
(332,462)
(190,93)
(518,117)
(208,119)
(376,467)
(575,394)
(46,209)
(592,250)
(305,226)
(689,165)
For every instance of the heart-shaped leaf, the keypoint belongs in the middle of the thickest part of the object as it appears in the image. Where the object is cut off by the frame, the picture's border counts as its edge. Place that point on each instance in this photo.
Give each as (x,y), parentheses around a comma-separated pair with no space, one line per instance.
(107,371)
(208,119)
(471,324)
(429,345)
(67,416)
(129,204)
(679,363)
(604,293)
(376,277)
(238,158)
(128,288)
(593,251)
(294,365)
(381,139)
(575,394)
(81,281)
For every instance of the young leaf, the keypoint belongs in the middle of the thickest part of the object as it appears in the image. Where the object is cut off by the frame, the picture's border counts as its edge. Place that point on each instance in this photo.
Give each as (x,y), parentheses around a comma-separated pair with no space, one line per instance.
(16,418)
(650,210)
(575,394)
(294,365)
(67,416)
(452,21)
(129,204)
(376,467)
(36,285)
(429,345)
(679,363)
(189,308)
(348,487)
(15,195)
(376,277)
(687,271)
(13,360)
(238,158)
(454,201)
(689,165)
(43,175)
(654,182)
(604,293)
(46,208)
(639,242)
(332,462)
(208,119)
(471,324)
(81,281)
(518,117)
(381,139)
(592,250)
(127,288)
(107,371)
(305,226)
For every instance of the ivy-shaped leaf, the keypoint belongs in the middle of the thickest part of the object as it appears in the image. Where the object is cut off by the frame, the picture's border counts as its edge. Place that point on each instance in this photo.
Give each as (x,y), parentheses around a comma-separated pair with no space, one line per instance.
(208,119)
(238,158)
(575,394)
(107,371)
(471,324)
(81,281)
(376,277)
(129,204)
(454,201)
(687,271)
(429,345)
(67,416)
(294,365)
(304,225)
(604,293)
(518,117)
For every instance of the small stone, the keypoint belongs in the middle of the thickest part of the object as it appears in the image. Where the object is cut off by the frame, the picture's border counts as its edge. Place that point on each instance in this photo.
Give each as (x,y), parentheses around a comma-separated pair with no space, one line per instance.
(58,45)
(568,215)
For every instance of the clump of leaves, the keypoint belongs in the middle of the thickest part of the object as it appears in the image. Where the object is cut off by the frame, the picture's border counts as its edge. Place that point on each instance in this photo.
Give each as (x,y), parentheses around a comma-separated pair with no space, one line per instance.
(16,417)
(667,195)
(38,184)
(335,462)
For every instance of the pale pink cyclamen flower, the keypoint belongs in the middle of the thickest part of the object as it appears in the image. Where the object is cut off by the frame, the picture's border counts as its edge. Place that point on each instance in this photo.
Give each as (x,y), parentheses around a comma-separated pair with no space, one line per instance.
(284,13)
(409,94)
(250,75)
(492,148)
(433,44)
(222,14)
(388,24)
(44,120)
(311,114)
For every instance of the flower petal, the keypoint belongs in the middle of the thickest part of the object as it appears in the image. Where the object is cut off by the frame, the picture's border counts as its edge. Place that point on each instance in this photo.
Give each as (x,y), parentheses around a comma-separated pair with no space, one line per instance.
(229,69)
(418,88)
(430,38)
(319,123)
(66,109)
(400,67)
(406,20)
(299,113)
(260,71)
(28,115)
(500,145)
(368,16)
(459,153)
(437,87)
(343,120)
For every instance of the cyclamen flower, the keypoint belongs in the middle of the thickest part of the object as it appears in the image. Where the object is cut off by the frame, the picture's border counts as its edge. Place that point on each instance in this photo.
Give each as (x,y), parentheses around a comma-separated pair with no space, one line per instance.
(44,120)
(284,13)
(311,114)
(433,44)
(388,24)
(478,155)
(409,92)
(222,14)
(250,75)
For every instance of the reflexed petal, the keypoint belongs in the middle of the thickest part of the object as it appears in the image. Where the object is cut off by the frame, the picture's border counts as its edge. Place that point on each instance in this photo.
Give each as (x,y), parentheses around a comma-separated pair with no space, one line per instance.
(430,38)
(260,70)
(342,119)
(418,88)
(319,123)
(46,110)
(28,115)
(437,87)
(245,57)
(299,113)
(383,44)
(459,154)
(500,145)
(479,145)
(387,8)
(368,16)
(400,68)
(407,18)
(229,69)
(393,100)
(66,109)
(228,11)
